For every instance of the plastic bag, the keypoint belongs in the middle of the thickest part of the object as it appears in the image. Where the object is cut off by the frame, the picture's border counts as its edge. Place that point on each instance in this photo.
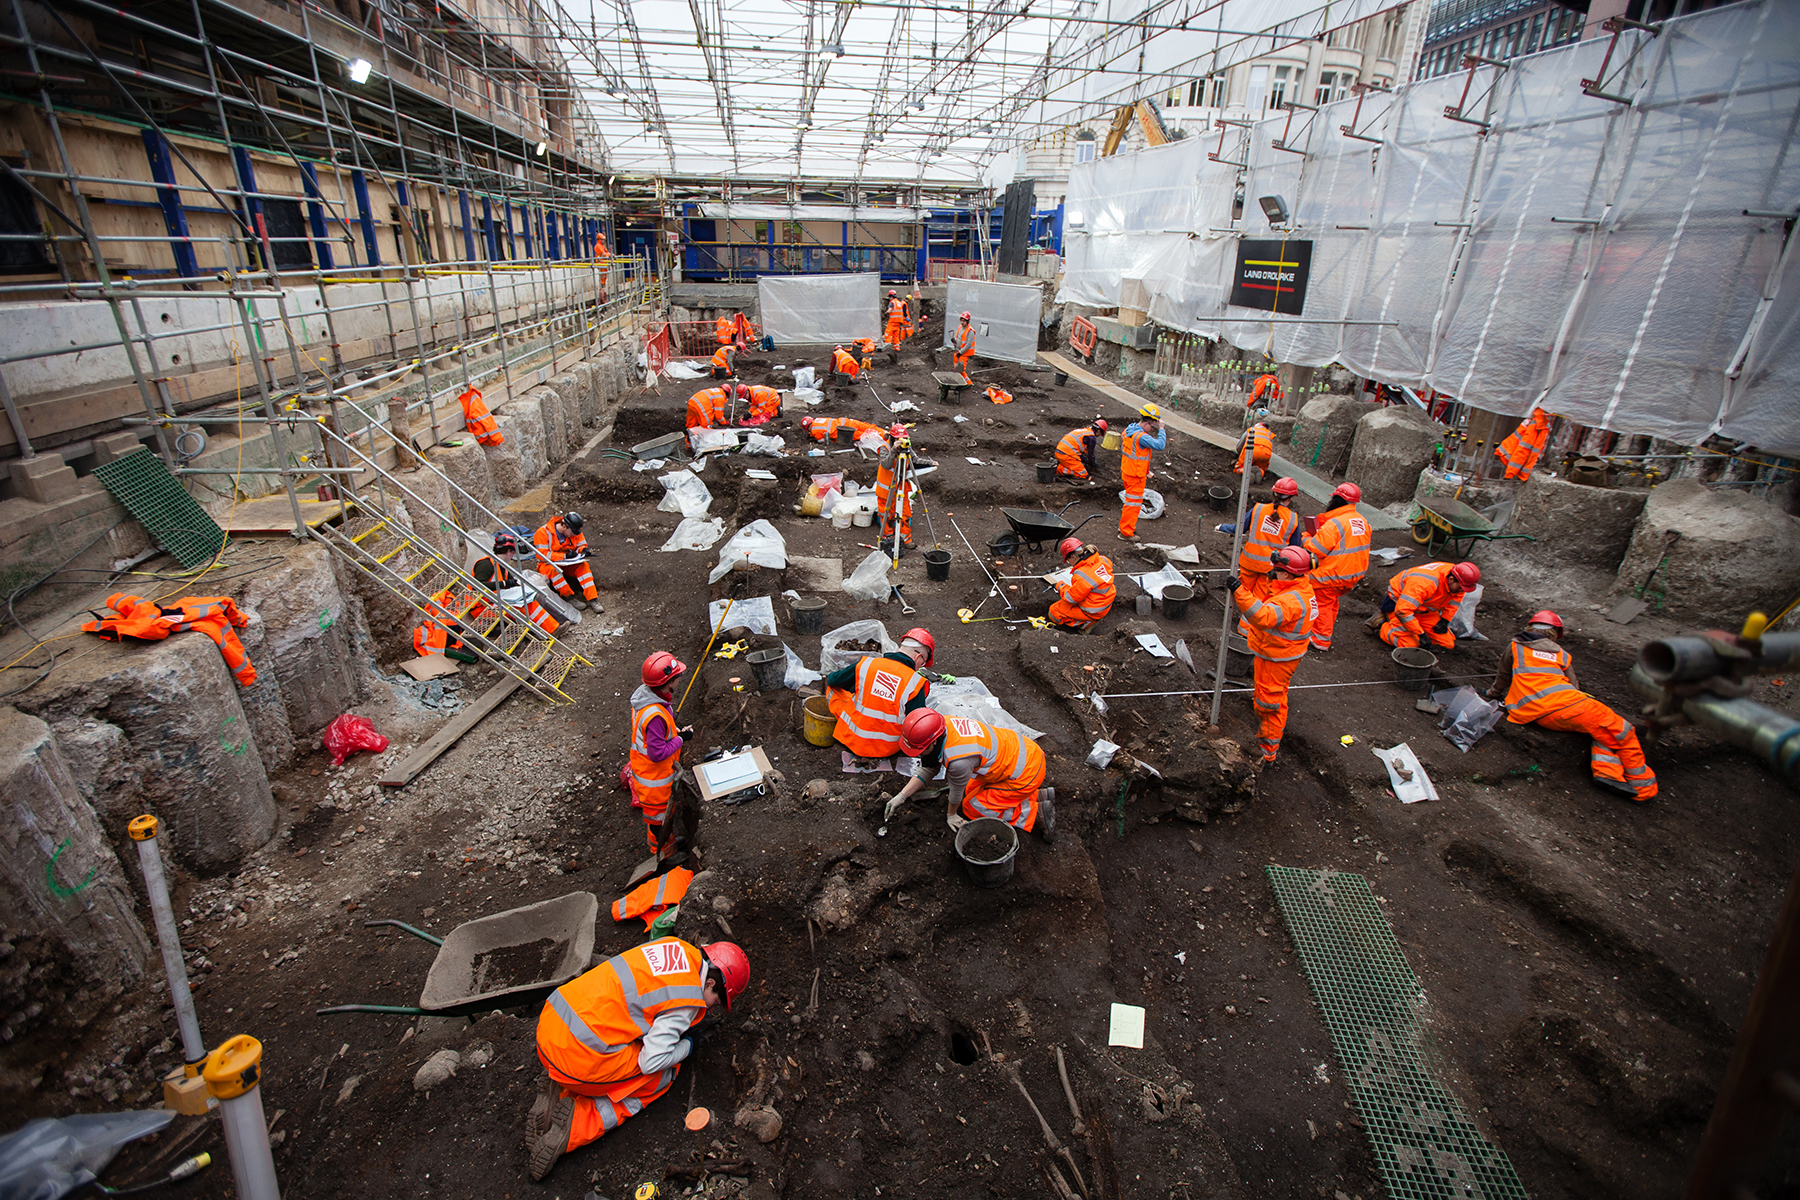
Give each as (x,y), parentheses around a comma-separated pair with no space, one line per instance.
(349,734)
(1463,623)
(704,441)
(798,675)
(759,543)
(767,445)
(1153,504)
(684,493)
(48,1158)
(1468,716)
(871,440)
(695,533)
(832,659)
(833,482)
(804,377)
(809,395)
(870,579)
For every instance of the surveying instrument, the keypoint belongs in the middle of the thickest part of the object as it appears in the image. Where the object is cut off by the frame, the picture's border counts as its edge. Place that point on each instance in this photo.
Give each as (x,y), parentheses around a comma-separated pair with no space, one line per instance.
(903,478)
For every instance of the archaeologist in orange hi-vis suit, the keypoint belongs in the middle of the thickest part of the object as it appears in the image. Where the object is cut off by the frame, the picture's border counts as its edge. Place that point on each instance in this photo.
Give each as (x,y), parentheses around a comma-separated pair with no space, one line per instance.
(825,429)
(895,507)
(965,345)
(1537,679)
(1090,592)
(1259,443)
(1140,438)
(765,403)
(706,409)
(437,633)
(872,697)
(1278,627)
(1524,445)
(562,559)
(613,1040)
(723,366)
(1075,453)
(215,616)
(1264,392)
(992,772)
(1268,527)
(895,333)
(1340,553)
(1420,602)
(479,420)
(844,363)
(655,743)
(494,573)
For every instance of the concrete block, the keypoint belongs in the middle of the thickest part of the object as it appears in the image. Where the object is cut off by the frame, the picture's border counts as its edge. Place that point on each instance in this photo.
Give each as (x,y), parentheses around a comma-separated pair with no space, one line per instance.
(1325,431)
(587,383)
(431,491)
(43,478)
(91,911)
(1735,555)
(522,422)
(305,644)
(471,479)
(1575,525)
(189,742)
(1392,446)
(114,446)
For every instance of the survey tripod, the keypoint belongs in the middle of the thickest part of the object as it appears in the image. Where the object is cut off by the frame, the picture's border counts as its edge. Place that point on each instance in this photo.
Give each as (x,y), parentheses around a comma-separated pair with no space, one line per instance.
(903,476)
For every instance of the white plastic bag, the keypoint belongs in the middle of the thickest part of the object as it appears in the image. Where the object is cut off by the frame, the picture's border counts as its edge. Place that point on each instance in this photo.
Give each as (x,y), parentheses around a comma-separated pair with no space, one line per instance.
(696,533)
(809,395)
(704,441)
(766,445)
(756,613)
(676,369)
(684,493)
(804,377)
(870,579)
(1153,504)
(51,1157)
(832,659)
(798,674)
(758,542)
(1463,623)
(1468,716)
(872,441)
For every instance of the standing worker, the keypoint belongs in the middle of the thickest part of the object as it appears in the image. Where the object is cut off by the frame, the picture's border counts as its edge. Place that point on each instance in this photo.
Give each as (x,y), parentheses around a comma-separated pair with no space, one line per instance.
(493,573)
(562,559)
(992,772)
(871,697)
(656,743)
(724,364)
(1268,527)
(1524,445)
(1075,453)
(707,408)
(614,1039)
(1258,443)
(895,503)
(1340,553)
(896,320)
(1264,392)
(1420,602)
(1278,626)
(914,316)
(1141,437)
(965,345)
(1090,592)
(1537,677)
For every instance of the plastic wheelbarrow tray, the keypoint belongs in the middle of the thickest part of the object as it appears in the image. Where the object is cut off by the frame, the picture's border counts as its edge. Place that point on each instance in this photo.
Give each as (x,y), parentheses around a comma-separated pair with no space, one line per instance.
(511,959)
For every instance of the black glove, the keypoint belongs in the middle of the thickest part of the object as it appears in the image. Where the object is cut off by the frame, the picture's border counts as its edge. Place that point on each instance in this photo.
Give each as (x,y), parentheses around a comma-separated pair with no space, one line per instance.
(684,732)
(695,1038)
(1442,626)
(1232,583)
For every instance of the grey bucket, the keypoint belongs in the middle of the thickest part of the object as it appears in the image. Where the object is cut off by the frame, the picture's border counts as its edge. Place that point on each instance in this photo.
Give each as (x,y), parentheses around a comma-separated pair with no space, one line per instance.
(770,667)
(809,615)
(1175,601)
(1412,668)
(1062,377)
(937,565)
(1219,497)
(1143,604)
(1239,662)
(998,871)
(1046,472)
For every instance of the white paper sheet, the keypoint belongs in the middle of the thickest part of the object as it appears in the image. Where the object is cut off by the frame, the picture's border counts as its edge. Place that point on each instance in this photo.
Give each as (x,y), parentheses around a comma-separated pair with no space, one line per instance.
(1127,1026)
(1409,790)
(1154,645)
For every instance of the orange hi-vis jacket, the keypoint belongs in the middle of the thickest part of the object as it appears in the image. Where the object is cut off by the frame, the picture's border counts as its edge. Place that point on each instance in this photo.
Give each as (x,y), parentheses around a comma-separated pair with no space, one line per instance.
(896,321)
(652,782)
(1006,772)
(591,1029)
(765,404)
(479,420)
(1278,626)
(1076,451)
(216,616)
(1422,590)
(868,719)
(652,898)
(1342,549)
(1266,530)
(724,330)
(1266,389)
(1542,681)
(1522,448)
(823,429)
(1134,456)
(553,552)
(706,408)
(721,359)
(1089,594)
(844,363)
(1259,444)
(433,634)
(965,341)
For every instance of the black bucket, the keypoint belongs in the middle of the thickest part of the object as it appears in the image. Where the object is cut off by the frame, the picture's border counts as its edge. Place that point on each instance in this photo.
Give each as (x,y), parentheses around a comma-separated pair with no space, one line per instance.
(1219,498)
(937,565)
(988,867)
(1046,472)
(1239,661)
(1412,668)
(809,615)
(770,667)
(846,436)
(1062,377)
(1175,601)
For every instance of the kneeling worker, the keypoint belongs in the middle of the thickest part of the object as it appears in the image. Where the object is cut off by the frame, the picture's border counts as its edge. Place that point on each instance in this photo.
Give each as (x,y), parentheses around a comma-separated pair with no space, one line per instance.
(706,408)
(1090,592)
(562,555)
(1537,677)
(992,772)
(1278,626)
(874,697)
(1075,453)
(844,363)
(1257,444)
(724,362)
(494,574)
(614,1039)
(1420,602)
(438,632)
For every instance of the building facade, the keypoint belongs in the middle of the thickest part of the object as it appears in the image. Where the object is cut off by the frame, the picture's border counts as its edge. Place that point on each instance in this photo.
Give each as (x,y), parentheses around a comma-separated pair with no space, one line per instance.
(1495,29)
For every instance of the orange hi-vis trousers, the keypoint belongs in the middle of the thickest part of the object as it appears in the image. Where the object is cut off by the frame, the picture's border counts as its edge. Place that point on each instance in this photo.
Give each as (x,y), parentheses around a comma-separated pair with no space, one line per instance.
(1615,755)
(1134,502)
(1328,598)
(1271,700)
(601,1107)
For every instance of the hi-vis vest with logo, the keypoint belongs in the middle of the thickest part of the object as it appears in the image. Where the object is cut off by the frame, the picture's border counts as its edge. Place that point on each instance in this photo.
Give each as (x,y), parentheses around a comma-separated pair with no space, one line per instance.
(1270,526)
(998,749)
(871,715)
(590,1030)
(1342,547)
(1540,683)
(1096,572)
(1295,609)
(654,781)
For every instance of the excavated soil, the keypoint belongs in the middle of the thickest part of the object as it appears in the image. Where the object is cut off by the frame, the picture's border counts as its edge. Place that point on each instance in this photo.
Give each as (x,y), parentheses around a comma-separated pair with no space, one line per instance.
(1586,960)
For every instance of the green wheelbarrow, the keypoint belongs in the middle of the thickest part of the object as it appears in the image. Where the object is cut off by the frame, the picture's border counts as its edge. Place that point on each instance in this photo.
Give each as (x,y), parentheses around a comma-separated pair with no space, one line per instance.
(951,386)
(1454,524)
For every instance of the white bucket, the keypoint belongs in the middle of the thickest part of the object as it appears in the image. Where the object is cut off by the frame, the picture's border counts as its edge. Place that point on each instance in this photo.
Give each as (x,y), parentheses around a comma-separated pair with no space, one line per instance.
(841,520)
(862,518)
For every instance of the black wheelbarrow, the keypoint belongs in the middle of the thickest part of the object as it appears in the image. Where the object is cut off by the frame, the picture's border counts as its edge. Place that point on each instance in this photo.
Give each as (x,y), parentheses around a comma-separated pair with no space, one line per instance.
(509,960)
(1034,527)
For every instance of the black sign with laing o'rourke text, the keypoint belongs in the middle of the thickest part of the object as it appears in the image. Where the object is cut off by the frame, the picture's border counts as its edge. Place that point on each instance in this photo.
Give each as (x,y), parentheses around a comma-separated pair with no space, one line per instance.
(1272,276)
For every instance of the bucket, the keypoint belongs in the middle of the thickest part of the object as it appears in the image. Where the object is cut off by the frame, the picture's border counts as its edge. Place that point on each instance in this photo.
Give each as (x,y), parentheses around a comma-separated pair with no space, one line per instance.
(809,615)
(1412,668)
(1046,472)
(1143,604)
(846,436)
(937,565)
(1062,377)
(770,667)
(1219,498)
(811,506)
(842,518)
(1175,601)
(1110,441)
(817,720)
(862,518)
(987,848)
(1239,662)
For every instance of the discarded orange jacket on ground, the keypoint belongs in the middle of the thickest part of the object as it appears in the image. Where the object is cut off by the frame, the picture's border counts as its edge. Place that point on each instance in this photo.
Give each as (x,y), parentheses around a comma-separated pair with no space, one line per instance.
(999,395)
(653,897)
(215,616)
(480,421)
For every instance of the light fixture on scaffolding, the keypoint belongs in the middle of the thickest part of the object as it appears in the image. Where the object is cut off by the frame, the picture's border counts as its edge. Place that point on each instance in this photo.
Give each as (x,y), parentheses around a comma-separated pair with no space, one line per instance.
(359,70)
(836,48)
(1275,209)
(543,149)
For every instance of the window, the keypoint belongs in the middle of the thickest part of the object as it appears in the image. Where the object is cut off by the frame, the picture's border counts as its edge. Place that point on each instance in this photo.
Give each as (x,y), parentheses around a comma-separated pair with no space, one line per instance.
(287,234)
(1197,93)
(1333,85)
(19,215)
(1174,98)
(1279,89)
(1084,150)
(1219,90)
(1259,88)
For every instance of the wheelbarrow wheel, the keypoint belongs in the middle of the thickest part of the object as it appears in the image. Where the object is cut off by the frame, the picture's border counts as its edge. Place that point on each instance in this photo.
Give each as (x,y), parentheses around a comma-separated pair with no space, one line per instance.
(1421,532)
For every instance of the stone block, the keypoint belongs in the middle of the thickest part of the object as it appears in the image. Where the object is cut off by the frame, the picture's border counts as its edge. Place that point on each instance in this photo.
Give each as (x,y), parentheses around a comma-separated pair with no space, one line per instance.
(114,446)
(430,509)
(90,911)
(587,382)
(522,423)
(43,478)
(1575,525)
(471,480)
(506,466)
(1735,554)
(188,741)
(265,706)
(1392,446)
(1224,414)
(1325,431)
(557,398)
(305,643)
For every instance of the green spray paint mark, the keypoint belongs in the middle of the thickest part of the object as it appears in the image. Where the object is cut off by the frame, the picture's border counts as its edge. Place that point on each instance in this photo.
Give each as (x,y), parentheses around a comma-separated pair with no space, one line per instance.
(50,874)
(325,621)
(226,743)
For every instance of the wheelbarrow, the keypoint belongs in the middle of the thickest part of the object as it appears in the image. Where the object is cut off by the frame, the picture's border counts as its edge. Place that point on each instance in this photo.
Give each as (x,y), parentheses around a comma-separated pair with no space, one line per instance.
(509,960)
(1034,527)
(951,386)
(1454,524)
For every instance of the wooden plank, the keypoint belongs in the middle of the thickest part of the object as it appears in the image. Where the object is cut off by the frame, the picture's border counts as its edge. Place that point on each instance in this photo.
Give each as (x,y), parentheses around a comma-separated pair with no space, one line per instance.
(273,514)
(416,762)
(1173,420)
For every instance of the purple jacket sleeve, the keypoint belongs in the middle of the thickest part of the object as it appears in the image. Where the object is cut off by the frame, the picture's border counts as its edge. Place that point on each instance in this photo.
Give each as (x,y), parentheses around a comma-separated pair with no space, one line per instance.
(662,742)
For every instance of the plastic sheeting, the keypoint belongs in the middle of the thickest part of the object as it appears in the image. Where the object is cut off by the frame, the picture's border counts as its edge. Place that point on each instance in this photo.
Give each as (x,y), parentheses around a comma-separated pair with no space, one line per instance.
(1006,317)
(819,309)
(813,212)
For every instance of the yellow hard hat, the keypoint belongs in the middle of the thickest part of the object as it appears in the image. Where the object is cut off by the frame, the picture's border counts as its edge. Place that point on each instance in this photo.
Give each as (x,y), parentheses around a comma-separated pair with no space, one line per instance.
(1151,411)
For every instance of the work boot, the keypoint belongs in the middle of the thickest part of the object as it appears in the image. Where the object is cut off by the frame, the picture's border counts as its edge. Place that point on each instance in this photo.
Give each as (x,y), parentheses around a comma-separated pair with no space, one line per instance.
(539,1116)
(1046,819)
(1616,785)
(594,605)
(1372,626)
(554,1139)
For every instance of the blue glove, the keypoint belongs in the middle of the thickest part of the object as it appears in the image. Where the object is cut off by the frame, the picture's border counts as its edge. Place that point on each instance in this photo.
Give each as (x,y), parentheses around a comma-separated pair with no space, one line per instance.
(1232,528)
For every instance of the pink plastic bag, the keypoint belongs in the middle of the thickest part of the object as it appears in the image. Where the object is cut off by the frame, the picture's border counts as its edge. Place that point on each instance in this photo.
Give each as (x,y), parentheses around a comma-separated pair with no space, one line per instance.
(349,734)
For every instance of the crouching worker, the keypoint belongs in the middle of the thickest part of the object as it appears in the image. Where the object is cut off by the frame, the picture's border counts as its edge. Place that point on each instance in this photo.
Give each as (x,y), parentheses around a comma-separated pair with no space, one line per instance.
(494,574)
(872,698)
(439,632)
(1075,453)
(1420,602)
(1089,594)
(992,772)
(1537,677)
(614,1039)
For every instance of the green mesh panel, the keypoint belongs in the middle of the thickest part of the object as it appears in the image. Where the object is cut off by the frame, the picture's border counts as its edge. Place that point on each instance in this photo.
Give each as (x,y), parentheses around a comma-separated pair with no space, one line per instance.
(159,502)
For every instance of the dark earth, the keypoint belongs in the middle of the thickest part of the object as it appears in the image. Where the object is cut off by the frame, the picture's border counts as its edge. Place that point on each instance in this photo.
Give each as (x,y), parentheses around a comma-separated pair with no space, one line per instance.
(1586,960)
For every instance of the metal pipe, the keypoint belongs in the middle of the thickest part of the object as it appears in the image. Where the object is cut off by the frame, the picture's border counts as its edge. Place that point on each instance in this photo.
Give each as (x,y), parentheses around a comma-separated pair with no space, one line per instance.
(1691,659)
(143,832)
(1237,546)
(1756,727)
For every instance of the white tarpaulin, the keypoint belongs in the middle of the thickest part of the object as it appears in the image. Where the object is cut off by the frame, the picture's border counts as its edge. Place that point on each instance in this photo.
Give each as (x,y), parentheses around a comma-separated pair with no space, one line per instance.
(1005,316)
(813,212)
(810,310)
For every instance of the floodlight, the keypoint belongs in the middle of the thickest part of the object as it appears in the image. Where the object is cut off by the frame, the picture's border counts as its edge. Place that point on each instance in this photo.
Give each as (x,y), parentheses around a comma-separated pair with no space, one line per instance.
(836,48)
(359,70)
(1275,209)
(543,148)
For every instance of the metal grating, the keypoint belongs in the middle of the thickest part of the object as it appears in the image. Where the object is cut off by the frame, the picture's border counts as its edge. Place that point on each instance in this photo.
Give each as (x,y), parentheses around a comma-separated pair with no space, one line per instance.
(1425,1145)
(159,502)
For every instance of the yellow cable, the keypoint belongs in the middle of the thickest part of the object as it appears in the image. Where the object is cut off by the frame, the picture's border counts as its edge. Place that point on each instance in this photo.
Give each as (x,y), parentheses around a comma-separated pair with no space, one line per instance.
(42,642)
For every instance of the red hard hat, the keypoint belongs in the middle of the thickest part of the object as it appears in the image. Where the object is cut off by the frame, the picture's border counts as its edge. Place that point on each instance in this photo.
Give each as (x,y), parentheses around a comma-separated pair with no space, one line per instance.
(896,431)
(922,727)
(1546,617)
(1348,491)
(1286,487)
(662,668)
(967,316)
(1292,559)
(892,292)
(1466,574)
(1100,425)
(924,639)
(1068,546)
(728,959)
